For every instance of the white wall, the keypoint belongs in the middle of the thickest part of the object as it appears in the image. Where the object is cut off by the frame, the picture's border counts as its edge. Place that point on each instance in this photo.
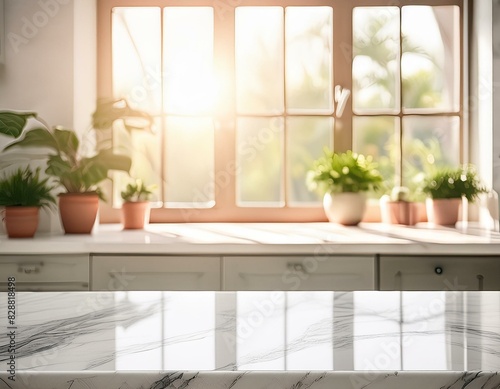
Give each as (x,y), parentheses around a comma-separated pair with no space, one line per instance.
(50,66)
(496,94)
(50,60)
(484,99)
(480,93)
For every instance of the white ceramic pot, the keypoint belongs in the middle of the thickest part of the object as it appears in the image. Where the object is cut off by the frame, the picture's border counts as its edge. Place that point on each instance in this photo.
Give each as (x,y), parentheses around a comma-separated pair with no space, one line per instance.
(345,208)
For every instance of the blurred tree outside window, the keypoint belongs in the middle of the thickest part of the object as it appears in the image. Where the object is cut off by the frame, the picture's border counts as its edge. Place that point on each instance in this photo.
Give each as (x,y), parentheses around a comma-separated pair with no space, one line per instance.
(406,89)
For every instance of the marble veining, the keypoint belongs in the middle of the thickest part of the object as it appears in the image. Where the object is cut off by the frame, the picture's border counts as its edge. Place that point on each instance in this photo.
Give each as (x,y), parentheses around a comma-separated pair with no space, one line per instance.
(245,339)
(252,380)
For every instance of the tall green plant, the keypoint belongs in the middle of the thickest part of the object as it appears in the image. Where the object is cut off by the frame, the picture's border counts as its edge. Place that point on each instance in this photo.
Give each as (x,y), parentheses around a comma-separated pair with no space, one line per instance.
(76,172)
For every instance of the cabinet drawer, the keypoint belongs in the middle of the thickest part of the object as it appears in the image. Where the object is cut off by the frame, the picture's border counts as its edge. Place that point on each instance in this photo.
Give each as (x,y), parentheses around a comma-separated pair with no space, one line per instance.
(439,273)
(299,273)
(155,273)
(45,272)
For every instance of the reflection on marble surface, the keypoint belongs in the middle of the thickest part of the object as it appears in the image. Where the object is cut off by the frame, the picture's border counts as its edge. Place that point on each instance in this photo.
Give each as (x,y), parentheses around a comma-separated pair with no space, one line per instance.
(248,333)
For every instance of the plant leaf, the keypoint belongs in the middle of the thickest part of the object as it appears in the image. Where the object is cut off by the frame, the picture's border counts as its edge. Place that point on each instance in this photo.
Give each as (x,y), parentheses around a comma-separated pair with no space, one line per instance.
(67,142)
(108,111)
(58,167)
(113,161)
(92,173)
(38,137)
(13,123)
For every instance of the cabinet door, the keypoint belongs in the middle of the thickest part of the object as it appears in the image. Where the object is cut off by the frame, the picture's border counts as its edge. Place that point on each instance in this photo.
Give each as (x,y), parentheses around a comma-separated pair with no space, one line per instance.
(45,272)
(155,273)
(299,273)
(439,273)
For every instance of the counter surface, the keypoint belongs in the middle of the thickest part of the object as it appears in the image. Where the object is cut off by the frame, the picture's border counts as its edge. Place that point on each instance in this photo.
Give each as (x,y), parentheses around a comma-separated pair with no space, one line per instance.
(251,339)
(264,238)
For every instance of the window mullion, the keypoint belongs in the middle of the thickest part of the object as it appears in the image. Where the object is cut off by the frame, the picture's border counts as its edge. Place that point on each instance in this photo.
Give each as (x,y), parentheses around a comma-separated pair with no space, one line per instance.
(399,165)
(284,181)
(225,110)
(163,119)
(342,53)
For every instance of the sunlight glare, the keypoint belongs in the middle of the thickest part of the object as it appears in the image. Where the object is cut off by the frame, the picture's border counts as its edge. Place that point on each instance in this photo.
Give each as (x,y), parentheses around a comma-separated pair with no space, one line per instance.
(188,60)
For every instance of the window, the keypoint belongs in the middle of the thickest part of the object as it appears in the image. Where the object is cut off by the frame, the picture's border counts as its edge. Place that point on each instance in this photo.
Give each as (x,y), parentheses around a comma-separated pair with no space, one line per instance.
(246,95)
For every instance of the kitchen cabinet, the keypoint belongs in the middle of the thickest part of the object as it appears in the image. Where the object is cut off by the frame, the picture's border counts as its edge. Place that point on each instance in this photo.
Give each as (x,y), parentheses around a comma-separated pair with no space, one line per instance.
(299,273)
(45,272)
(439,272)
(155,272)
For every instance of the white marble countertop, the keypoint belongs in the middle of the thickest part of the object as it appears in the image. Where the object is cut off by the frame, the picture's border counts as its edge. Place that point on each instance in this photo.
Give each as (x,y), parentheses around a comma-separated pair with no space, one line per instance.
(251,340)
(264,238)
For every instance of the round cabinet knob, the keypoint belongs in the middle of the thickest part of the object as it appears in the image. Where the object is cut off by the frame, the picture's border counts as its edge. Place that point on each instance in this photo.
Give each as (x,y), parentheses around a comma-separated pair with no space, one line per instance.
(438,270)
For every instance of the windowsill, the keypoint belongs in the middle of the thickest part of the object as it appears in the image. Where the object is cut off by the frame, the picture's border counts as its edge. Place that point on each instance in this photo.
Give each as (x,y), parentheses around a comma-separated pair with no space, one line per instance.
(109,215)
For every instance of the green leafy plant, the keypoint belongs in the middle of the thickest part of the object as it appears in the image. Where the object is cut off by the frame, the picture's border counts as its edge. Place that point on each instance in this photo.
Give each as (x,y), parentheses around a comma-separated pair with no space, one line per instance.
(25,188)
(137,191)
(76,172)
(448,183)
(343,172)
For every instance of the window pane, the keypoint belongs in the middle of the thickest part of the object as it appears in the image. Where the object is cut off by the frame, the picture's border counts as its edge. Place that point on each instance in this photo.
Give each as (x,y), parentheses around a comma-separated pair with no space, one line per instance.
(430,61)
(375,68)
(145,149)
(189,162)
(188,60)
(306,139)
(429,142)
(136,48)
(260,162)
(309,59)
(259,60)
(379,137)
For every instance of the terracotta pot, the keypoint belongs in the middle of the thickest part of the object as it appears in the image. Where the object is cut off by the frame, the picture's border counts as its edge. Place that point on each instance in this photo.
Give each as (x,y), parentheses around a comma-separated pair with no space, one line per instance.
(400,212)
(345,208)
(21,222)
(443,212)
(135,214)
(78,212)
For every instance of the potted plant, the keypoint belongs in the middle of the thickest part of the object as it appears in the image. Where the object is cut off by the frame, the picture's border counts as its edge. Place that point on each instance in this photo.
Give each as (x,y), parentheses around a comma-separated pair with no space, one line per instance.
(445,189)
(398,207)
(136,206)
(344,178)
(23,193)
(79,174)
